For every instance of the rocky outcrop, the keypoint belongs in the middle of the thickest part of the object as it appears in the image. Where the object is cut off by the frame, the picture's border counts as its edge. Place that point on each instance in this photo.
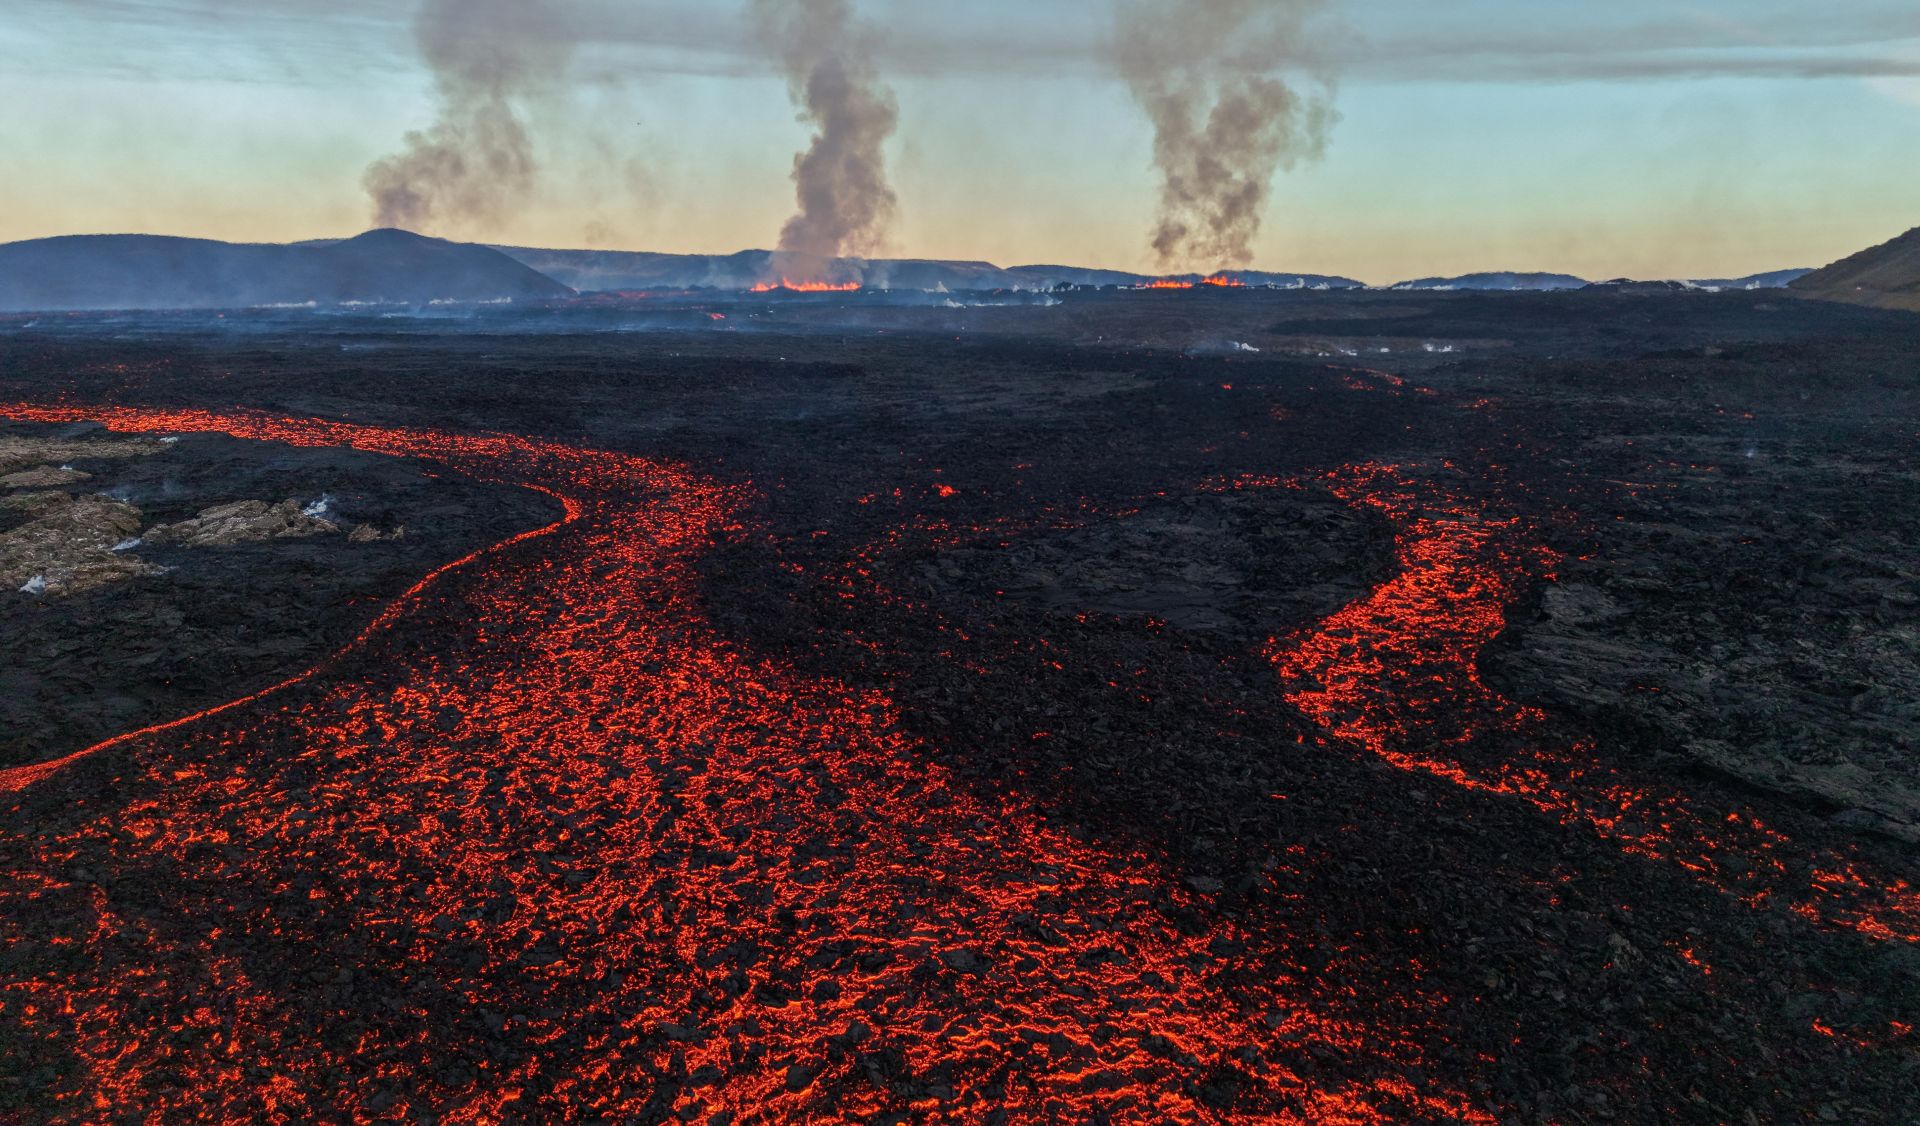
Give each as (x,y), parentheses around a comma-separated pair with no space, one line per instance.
(68,548)
(18,453)
(367,533)
(34,505)
(245,521)
(196,627)
(45,477)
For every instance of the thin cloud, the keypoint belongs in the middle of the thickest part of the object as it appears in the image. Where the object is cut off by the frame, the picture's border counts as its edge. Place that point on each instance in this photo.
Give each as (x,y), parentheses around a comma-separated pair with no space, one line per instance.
(1380,41)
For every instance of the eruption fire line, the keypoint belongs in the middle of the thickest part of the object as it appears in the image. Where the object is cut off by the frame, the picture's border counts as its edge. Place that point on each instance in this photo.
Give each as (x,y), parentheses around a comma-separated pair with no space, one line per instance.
(543,843)
(1216,281)
(786,286)
(1397,673)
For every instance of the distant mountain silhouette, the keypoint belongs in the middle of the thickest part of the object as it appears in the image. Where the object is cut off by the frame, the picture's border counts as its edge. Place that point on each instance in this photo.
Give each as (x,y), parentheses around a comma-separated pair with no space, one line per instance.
(1048,277)
(158,272)
(1499,281)
(1886,276)
(1777,279)
(1536,283)
(612,270)
(1773,279)
(1636,287)
(81,272)
(631,270)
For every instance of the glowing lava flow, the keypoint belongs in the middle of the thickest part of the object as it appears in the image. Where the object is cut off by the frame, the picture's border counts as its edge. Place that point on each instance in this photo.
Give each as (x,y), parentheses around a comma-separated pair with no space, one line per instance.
(1216,281)
(544,845)
(1397,673)
(786,286)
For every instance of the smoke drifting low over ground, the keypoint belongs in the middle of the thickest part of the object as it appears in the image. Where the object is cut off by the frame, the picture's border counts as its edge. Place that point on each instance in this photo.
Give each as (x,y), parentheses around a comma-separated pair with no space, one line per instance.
(1028,713)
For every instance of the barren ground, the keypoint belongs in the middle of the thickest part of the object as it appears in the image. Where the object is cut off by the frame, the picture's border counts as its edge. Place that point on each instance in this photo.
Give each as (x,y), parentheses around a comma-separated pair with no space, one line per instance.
(1049,713)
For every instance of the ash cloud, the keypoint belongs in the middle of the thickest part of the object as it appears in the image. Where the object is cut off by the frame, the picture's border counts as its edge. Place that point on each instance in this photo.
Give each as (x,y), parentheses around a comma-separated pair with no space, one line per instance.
(476,162)
(1224,121)
(841,182)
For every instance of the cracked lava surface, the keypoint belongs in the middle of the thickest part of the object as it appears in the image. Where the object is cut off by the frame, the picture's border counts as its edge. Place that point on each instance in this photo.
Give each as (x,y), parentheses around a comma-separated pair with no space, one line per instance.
(589,859)
(1397,674)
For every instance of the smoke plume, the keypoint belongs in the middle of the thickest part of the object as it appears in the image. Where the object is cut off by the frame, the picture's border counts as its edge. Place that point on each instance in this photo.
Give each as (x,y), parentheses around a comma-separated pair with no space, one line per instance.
(475,163)
(1223,122)
(841,179)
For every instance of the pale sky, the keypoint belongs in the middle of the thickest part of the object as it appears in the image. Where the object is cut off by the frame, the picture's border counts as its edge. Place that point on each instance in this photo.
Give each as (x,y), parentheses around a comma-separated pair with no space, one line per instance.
(1652,138)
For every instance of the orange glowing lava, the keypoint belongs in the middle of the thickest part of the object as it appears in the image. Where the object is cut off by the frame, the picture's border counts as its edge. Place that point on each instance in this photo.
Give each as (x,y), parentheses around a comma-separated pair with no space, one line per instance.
(544,844)
(1217,281)
(789,286)
(1398,674)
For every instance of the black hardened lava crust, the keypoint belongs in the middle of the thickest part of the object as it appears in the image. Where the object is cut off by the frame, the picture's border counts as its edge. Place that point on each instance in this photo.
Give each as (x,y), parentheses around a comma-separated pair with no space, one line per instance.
(1083,550)
(213,623)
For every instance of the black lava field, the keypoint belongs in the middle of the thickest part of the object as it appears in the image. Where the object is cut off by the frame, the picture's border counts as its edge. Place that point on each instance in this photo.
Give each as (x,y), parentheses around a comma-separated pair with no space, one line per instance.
(1190,706)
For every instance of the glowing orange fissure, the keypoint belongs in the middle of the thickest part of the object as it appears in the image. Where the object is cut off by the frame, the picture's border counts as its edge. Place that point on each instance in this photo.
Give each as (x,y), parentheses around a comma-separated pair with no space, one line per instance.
(1397,673)
(1218,281)
(573,853)
(789,286)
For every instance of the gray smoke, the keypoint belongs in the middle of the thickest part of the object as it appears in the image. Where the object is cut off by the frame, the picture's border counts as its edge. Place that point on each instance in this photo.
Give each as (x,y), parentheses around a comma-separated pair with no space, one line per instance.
(1224,123)
(841,179)
(475,163)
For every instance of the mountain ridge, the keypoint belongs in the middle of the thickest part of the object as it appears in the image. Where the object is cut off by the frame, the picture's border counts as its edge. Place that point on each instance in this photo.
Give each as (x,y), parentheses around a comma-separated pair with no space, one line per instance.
(94,272)
(1886,276)
(134,271)
(608,270)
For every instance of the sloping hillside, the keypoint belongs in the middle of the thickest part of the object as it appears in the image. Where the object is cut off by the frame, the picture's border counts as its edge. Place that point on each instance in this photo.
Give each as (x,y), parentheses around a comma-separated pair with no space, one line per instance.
(1886,277)
(1499,282)
(157,272)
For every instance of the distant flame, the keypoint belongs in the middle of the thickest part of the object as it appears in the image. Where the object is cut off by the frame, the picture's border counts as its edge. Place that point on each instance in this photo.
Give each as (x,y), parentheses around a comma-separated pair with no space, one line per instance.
(1223,281)
(805,287)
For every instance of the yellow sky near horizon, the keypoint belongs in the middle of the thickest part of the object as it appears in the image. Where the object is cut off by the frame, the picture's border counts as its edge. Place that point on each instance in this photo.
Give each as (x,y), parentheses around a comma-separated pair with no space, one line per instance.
(1693,176)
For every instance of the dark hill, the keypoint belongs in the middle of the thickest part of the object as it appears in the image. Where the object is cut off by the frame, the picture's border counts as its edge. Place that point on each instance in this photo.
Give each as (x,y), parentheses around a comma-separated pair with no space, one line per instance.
(1501,282)
(1885,277)
(619,269)
(1047,277)
(607,270)
(158,272)
(1772,279)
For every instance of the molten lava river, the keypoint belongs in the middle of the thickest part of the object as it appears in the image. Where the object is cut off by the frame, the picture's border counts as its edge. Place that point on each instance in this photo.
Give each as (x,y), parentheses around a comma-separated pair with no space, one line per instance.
(542,844)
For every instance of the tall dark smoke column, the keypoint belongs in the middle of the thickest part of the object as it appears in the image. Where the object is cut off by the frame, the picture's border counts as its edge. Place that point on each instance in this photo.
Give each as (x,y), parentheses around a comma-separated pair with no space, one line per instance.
(476,162)
(845,201)
(1223,122)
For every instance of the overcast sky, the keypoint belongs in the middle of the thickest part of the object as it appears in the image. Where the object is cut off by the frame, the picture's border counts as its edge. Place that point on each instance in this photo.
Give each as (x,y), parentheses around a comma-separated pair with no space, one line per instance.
(1711,137)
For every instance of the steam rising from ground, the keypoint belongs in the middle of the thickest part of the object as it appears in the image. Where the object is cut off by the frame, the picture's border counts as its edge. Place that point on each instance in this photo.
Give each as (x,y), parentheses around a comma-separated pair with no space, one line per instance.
(476,162)
(841,179)
(1224,123)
